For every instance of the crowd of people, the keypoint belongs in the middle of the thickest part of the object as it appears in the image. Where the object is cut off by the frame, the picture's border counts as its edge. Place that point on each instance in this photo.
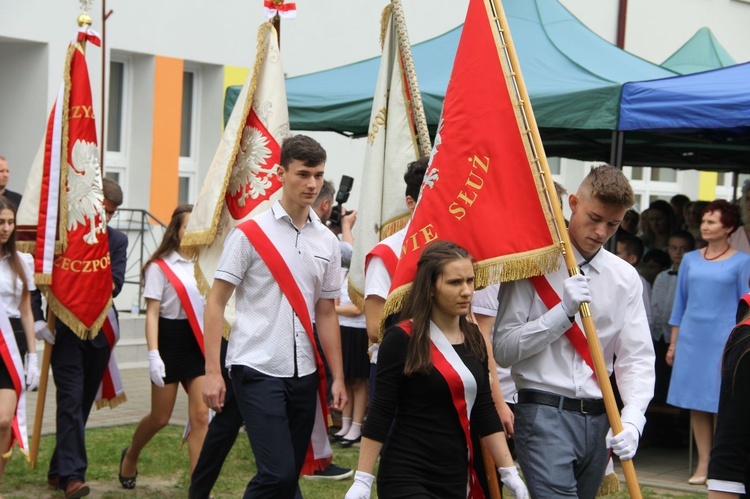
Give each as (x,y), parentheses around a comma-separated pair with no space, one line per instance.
(414,391)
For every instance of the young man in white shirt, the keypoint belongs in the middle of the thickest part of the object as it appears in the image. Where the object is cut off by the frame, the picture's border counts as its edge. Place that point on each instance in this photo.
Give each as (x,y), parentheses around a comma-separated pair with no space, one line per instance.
(271,354)
(559,402)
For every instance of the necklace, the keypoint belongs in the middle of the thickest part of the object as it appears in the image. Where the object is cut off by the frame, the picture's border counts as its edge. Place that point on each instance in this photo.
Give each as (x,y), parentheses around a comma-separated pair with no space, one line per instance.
(705,254)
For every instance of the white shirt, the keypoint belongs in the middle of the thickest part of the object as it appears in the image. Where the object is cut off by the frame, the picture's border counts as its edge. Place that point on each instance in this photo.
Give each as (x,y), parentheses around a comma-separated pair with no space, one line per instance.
(11,285)
(378,280)
(156,286)
(485,303)
(662,296)
(267,334)
(529,337)
(357,321)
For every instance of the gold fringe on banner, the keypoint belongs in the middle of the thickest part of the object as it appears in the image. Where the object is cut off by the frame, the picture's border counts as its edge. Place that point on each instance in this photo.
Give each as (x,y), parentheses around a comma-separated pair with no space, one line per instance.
(120,399)
(43,279)
(207,236)
(62,219)
(393,225)
(356,296)
(26,246)
(610,485)
(513,267)
(70,320)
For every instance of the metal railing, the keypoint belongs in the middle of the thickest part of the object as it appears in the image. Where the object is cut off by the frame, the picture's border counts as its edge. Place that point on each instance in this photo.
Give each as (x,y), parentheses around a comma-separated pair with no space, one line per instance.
(144,233)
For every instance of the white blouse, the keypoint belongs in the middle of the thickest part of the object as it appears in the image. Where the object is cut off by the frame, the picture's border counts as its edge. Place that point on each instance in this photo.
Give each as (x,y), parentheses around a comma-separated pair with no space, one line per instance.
(11,285)
(158,287)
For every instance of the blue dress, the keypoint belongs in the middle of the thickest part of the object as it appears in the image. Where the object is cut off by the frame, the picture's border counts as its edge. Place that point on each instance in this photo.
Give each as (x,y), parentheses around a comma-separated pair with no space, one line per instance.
(705,305)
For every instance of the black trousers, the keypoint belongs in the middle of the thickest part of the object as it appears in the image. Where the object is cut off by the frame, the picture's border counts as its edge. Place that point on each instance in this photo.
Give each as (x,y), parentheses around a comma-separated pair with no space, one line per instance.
(279,414)
(222,433)
(77,368)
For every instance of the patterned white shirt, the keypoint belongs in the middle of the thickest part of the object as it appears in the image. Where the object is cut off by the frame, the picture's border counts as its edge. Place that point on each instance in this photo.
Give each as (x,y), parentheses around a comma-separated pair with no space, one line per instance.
(11,285)
(267,335)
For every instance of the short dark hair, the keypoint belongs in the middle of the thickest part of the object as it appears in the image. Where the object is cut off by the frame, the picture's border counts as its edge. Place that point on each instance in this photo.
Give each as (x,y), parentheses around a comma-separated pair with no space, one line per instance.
(632,244)
(415,175)
(685,235)
(112,191)
(328,191)
(659,256)
(302,148)
(730,213)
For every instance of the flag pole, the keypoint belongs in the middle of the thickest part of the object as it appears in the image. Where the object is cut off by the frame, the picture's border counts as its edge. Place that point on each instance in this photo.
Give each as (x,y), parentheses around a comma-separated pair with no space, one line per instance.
(415,95)
(540,159)
(41,394)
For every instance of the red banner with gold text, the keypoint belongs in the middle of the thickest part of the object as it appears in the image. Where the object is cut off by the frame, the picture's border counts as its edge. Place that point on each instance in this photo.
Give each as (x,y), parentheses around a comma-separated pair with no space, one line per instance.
(482,189)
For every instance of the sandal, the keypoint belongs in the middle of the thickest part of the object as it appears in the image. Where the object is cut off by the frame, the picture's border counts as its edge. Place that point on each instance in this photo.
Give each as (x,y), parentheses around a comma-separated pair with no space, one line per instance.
(127,482)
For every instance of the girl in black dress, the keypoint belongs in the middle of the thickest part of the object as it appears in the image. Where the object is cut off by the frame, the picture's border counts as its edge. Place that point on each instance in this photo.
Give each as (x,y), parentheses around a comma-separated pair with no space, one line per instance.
(432,381)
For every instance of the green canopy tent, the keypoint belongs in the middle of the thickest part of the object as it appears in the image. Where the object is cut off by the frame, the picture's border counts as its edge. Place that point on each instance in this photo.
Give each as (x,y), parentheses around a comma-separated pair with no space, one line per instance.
(574,78)
(702,52)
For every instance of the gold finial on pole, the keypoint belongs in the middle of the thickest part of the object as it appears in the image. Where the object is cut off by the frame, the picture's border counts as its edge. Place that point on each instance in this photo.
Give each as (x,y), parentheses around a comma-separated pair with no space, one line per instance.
(85,18)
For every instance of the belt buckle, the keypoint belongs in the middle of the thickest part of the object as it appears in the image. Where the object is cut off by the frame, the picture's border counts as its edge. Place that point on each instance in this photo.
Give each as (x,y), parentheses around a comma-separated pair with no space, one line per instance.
(583,410)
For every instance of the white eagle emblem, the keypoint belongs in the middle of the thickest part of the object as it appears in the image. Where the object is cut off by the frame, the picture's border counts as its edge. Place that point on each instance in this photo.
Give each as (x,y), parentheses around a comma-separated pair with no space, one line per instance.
(85,195)
(431,175)
(245,177)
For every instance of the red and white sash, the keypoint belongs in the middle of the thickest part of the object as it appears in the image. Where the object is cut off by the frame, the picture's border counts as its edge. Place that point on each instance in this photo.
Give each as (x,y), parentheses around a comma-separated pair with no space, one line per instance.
(297,284)
(111,391)
(11,357)
(189,295)
(463,388)
(550,299)
(388,250)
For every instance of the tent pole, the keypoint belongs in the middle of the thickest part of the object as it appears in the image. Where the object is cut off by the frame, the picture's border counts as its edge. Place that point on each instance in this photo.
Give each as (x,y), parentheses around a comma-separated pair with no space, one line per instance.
(615,150)
(735,181)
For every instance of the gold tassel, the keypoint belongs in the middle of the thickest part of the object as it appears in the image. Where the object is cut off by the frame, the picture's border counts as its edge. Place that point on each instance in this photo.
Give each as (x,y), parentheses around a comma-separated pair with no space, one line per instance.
(610,485)
(26,246)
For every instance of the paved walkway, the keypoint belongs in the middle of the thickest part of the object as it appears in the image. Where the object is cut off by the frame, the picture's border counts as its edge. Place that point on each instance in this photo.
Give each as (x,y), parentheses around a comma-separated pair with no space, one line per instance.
(656,467)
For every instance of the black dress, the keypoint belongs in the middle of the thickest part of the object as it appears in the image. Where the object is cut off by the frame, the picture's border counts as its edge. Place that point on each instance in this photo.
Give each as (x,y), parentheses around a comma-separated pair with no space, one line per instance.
(730,455)
(426,454)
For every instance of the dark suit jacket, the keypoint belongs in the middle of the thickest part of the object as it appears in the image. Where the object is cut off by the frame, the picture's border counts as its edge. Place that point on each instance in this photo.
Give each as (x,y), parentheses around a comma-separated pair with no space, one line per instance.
(13,197)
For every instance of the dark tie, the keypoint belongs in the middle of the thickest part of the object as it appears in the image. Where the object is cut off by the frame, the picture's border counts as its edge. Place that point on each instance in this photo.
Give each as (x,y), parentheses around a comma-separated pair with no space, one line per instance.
(672,272)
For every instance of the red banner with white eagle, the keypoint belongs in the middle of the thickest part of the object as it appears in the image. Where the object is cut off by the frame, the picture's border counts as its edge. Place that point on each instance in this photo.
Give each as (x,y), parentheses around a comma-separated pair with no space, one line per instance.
(483,188)
(61,218)
(241,181)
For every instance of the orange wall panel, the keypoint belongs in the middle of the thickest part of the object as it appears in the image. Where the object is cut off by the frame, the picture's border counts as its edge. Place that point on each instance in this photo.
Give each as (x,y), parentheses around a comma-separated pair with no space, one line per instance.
(165,151)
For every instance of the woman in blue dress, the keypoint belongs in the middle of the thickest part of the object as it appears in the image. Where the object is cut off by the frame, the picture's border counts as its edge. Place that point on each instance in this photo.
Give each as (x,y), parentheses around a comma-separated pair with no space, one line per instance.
(710,282)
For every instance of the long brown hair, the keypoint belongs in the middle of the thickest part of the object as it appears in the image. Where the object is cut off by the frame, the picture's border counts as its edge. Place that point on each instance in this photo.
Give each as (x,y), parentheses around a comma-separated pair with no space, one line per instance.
(418,308)
(10,246)
(171,240)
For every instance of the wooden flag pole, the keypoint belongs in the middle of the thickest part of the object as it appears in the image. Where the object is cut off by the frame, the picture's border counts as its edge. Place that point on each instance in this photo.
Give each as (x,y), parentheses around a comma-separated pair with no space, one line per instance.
(532,132)
(489,467)
(41,395)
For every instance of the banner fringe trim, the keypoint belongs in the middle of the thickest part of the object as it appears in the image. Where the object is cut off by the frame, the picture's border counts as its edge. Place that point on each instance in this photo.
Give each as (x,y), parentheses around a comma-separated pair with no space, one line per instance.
(114,402)
(393,225)
(70,320)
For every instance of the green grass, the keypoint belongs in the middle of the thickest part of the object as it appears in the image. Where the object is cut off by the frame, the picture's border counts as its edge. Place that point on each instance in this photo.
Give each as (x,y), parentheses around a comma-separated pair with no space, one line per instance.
(163,470)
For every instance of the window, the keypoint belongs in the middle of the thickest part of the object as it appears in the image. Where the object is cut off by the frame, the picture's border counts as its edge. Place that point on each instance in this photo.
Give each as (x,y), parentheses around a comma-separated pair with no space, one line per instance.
(188,105)
(183,190)
(664,174)
(115,107)
(554,165)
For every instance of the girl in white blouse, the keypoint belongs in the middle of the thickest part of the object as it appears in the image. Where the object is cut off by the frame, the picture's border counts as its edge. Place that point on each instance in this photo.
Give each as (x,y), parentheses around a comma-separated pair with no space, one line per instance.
(175,346)
(16,282)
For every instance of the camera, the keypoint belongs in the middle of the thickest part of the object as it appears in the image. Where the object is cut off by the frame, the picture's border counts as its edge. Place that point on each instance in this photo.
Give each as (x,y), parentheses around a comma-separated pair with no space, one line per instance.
(345,188)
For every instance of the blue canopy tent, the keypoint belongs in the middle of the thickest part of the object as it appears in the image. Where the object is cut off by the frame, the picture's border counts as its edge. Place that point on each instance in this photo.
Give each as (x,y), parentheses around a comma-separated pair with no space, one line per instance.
(701,119)
(574,78)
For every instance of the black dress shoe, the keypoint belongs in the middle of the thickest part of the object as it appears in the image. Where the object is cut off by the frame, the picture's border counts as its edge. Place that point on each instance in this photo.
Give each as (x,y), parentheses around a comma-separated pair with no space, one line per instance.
(127,482)
(345,442)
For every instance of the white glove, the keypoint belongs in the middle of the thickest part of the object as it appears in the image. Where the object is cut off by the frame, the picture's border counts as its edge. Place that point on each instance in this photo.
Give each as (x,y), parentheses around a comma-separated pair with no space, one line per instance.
(361,487)
(509,477)
(42,332)
(625,443)
(575,291)
(156,368)
(32,372)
